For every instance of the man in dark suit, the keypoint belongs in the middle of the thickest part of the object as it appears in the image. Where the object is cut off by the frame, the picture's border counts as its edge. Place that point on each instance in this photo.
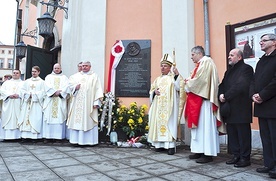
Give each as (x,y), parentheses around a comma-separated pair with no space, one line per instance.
(236,108)
(263,93)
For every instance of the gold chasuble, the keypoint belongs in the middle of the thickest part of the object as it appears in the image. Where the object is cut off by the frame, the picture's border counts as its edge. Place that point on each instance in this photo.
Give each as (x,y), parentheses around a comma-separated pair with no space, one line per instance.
(166,109)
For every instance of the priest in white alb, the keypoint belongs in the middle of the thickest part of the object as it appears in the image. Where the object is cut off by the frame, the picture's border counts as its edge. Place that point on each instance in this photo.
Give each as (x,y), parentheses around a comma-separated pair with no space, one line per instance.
(32,94)
(201,109)
(55,104)
(11,107)
(83,110)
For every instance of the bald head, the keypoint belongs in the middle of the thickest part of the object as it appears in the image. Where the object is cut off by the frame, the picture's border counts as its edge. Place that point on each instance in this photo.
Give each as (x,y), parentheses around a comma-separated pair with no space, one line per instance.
(235,55)
(57,68)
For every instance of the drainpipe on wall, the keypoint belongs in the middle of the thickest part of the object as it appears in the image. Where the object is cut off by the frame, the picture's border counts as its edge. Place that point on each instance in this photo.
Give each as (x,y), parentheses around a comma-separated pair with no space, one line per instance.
(206,28)
(16,39)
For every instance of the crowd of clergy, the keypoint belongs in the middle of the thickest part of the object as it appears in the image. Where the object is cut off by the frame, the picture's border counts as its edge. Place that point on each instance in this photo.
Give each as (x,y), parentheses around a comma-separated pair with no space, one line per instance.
(56,108)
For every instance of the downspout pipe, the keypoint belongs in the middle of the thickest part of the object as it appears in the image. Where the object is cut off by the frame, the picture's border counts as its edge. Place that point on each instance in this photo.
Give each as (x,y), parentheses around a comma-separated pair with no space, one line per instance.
(206,28)
(15,38)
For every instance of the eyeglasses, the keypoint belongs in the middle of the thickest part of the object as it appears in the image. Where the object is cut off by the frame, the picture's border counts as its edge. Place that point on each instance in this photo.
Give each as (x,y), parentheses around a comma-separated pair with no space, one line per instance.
(262,41)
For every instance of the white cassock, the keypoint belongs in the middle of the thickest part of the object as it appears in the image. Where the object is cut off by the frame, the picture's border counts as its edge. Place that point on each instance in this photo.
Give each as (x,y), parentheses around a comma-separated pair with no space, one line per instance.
(82,117)
(55,107)
(204,83)
(10,109)
(30,119)
(206,132)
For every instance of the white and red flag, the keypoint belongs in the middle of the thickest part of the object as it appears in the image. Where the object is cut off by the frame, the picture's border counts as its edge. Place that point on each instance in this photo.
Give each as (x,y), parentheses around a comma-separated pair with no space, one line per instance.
(116,54)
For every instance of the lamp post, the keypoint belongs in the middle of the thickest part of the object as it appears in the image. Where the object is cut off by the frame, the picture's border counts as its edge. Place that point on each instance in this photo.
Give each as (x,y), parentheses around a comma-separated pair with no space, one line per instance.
(45,25)
(21,48)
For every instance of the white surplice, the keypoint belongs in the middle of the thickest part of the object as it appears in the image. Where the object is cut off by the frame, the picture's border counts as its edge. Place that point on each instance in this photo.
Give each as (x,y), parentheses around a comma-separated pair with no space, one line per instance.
(30,119)
(82,117)
(10,109)
(205,138)
(55,107)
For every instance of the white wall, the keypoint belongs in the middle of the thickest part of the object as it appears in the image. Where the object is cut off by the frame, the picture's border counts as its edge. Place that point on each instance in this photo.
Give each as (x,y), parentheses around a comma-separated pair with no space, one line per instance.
(178,34)
(83,37)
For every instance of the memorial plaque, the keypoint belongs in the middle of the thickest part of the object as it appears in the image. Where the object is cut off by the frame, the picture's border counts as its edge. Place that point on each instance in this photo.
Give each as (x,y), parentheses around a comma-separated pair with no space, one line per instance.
(133,72)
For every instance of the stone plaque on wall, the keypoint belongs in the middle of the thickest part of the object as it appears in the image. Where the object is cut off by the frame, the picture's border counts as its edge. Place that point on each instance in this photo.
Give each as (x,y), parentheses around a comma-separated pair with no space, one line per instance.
(133,72)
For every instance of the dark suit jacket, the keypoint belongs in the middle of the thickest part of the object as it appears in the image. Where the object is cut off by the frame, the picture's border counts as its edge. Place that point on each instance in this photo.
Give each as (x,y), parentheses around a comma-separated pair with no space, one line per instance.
(235,87)
(264,83)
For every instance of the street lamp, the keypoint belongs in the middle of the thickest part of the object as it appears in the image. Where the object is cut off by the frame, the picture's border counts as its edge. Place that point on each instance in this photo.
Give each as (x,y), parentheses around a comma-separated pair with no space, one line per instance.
(46,25)
(20,49)
(46,22)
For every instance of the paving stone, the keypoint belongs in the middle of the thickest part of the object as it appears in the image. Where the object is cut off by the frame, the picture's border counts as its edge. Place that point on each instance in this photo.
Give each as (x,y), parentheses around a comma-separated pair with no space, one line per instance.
(44,174)
(127,174)
(23,163)
(159,168)
(73,170)
(107,165)
(89,177)
(186,175)
(62,162)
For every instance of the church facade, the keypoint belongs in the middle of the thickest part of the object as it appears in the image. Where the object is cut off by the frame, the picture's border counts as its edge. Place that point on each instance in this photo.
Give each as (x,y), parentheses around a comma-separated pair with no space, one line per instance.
(91,28)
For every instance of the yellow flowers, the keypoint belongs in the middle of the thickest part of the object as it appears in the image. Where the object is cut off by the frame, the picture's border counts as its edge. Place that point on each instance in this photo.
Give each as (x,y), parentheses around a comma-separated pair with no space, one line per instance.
(140,120)
(133,120)
(130,122)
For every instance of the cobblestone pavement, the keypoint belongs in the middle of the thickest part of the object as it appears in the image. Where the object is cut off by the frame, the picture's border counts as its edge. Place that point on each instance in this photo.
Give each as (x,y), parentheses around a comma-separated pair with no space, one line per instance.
(62,161)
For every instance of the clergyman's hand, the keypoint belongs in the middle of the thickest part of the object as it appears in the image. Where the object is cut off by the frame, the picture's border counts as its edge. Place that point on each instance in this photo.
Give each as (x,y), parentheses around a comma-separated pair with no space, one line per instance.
(175,71)
(157,92)
(78,87)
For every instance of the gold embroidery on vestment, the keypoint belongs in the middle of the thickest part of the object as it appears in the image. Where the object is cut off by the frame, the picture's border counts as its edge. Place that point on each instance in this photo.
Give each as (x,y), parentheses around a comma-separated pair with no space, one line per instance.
(163,104)
(32,86)
(80,98)
(55,99)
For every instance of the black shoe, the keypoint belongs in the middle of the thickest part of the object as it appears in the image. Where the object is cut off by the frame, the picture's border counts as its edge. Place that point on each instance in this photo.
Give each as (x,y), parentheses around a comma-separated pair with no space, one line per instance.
(24,140)
(204,159)
(272,173)
(195,156)
(171,151)
(242,163)
(264,169)
(45,141)
(234,160)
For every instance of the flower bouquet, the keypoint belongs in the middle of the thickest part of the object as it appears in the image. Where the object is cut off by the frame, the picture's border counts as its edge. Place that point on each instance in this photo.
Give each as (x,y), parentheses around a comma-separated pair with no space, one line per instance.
(133,120)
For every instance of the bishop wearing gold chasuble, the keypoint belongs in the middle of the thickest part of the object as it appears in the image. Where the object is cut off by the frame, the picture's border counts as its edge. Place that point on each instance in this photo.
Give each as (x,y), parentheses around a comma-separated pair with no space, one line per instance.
(167,99)
(83,109)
